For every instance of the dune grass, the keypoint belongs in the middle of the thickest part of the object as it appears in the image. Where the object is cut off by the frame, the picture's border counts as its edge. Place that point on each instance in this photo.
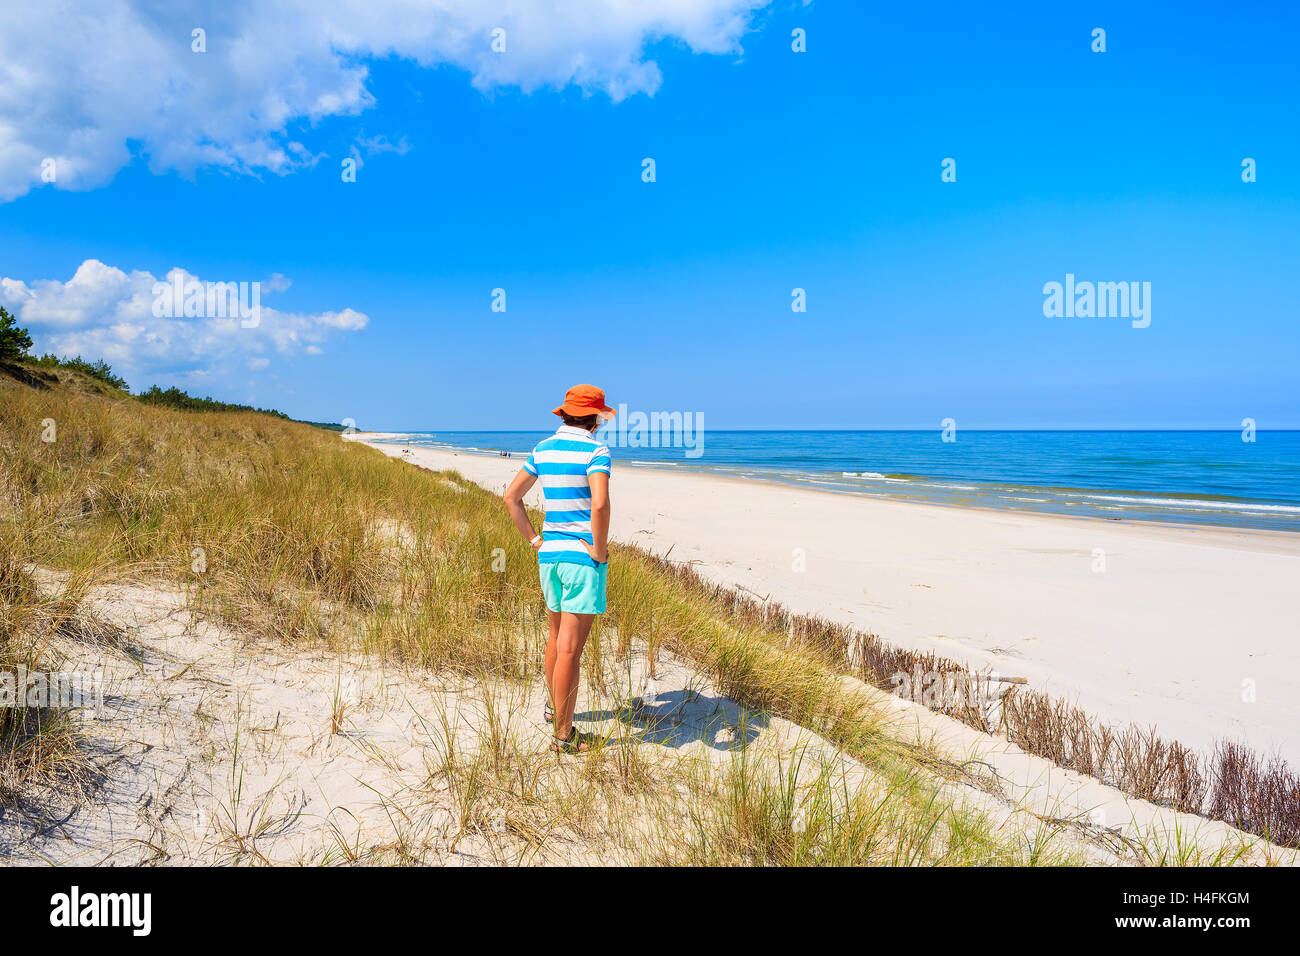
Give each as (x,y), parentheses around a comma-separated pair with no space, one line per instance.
(37,744)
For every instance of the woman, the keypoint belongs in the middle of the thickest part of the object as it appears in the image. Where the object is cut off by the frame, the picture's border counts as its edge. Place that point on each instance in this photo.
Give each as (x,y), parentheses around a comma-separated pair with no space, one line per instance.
(572,558)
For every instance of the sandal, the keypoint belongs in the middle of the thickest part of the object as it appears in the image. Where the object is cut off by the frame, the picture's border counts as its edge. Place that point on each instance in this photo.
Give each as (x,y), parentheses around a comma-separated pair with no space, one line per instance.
(575,744)
(548,714)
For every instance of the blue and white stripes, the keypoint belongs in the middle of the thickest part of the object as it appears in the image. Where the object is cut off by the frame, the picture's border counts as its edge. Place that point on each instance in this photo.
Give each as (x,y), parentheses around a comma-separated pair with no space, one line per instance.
(563,463)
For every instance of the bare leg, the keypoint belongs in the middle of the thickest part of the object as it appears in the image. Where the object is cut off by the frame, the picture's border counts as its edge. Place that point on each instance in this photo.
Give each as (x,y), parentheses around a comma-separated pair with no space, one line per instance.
(553,619)
(574,629)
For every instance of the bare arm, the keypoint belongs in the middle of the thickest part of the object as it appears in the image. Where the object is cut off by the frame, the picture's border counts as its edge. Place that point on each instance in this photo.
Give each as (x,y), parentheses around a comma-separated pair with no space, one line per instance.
(514,498)
(599,482)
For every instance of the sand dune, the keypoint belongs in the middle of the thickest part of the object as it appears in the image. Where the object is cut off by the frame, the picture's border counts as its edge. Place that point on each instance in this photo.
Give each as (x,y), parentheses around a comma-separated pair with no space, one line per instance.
(215,747)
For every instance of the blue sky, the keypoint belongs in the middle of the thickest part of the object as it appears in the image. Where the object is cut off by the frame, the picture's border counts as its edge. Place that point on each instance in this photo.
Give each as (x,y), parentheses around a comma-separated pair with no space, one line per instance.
(775,170)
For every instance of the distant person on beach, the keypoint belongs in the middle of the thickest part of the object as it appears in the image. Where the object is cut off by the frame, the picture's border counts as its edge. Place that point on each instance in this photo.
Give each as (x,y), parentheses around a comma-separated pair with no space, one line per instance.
(572,553)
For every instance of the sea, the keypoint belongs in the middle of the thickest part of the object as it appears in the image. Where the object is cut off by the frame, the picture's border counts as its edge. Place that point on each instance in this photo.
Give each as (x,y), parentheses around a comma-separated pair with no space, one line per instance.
(1182,477)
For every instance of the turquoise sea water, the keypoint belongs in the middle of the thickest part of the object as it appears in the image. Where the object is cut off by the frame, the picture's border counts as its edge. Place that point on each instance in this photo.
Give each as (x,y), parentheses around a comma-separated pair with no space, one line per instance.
(1198,477)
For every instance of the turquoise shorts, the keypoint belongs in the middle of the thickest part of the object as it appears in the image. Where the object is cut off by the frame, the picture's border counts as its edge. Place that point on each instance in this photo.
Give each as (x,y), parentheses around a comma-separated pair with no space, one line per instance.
(573,588)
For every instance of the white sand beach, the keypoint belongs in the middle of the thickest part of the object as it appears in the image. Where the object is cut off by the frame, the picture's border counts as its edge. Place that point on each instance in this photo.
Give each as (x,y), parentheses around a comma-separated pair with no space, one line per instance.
(1190,630)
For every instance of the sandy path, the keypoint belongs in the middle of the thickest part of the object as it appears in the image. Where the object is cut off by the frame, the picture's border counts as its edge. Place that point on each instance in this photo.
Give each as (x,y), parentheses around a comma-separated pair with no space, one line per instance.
(1191,630)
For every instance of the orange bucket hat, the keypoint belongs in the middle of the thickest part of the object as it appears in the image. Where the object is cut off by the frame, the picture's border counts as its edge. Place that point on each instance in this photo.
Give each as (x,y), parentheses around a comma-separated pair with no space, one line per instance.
(583,400)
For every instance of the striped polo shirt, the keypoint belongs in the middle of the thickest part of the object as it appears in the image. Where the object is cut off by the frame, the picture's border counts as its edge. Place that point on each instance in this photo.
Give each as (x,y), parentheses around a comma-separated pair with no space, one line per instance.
(562,463)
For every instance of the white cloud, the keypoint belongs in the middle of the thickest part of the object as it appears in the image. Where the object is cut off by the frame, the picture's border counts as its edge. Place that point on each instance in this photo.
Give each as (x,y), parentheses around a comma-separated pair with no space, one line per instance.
(103,312)
(80,81)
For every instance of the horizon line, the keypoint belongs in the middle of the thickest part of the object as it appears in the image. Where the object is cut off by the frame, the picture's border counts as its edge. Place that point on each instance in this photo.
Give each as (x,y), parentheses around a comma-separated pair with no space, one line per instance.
(458,429)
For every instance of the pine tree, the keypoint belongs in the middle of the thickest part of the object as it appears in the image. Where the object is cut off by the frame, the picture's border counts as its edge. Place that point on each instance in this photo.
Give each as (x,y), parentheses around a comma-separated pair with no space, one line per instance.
(14,341)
